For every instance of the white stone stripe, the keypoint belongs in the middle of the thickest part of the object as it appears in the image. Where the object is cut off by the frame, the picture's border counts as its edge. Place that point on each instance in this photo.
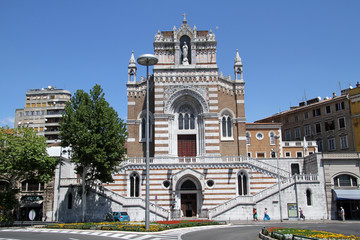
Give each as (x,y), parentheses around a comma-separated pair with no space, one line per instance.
(159,109)
(161,123)
(161,129)
(213,101)
(212,148)
(159,102)
(213,95)
(214,108)
(131,140)
(212,128)
(161,142)
(213,89)
(211,122)
(216,134)
(242,138)
(159,95)
(131,103)
(161,149)
(240,101)
(212,141)
(157,90)
(161,135)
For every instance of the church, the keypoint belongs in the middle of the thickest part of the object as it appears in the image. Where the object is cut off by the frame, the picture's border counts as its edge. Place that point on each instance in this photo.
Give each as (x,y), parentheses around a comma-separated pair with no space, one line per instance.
(205,160)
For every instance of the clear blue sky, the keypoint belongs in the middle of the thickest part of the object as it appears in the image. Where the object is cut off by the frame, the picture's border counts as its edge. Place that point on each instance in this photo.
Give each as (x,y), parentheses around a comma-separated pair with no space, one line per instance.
(289,49)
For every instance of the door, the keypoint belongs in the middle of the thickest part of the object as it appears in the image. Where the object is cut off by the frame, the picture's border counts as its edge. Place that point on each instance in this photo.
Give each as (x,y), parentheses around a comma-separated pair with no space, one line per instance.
(187,145)
(188,205)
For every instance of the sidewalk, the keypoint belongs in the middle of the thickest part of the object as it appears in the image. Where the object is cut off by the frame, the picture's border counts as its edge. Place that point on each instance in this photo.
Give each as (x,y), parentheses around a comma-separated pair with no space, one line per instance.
(287,221)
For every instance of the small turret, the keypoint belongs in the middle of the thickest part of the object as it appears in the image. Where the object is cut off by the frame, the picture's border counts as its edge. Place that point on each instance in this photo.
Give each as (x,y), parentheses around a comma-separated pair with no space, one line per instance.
(238,67)
(132,68)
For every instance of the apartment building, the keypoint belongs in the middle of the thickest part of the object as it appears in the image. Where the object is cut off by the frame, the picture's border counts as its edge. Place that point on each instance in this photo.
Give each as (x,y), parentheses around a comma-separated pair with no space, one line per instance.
(328,122)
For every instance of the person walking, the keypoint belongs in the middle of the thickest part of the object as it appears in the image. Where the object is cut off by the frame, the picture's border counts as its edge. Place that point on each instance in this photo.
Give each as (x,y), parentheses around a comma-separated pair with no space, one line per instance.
(255,217)
(266,216)
(342,213)
(302,216)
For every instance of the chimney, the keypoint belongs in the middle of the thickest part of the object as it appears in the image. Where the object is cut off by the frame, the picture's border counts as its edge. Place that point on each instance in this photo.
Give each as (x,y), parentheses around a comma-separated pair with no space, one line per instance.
(334,94)
(358,85)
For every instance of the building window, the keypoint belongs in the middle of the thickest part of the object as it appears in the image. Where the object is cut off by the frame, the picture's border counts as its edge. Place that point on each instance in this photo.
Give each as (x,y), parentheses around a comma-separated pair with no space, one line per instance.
(308,197)
(306,115)
(328,109)
(260,155)
(259,136)
(345,180)
(134,185)
(344,142)
(341,123)
(331,144)
(288,135)
(287,154)
(166,184)
(295,169)
(242,184)
(143,129)
(307,130)
(296,118)
(70,201)
(210,183)
(318,128)
(186,118)
(340,106)
(329,126)
(316,112)
(320,145)
(299,154)
(248,137)
(287,120)
(273,154)
(272,138)
(226,126)
(297,133)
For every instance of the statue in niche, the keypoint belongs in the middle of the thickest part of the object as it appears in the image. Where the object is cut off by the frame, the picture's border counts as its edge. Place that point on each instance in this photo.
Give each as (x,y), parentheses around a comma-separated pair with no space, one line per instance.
(185,50)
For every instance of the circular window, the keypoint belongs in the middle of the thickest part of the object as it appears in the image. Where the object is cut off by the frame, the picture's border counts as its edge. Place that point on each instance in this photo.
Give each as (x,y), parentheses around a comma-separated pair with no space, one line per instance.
(166,184)
(259,135)
(210,183)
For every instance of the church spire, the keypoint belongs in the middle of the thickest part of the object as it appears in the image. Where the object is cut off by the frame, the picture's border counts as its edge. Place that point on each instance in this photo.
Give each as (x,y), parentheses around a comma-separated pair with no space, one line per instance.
(184,21)
(238,67)
(132,68)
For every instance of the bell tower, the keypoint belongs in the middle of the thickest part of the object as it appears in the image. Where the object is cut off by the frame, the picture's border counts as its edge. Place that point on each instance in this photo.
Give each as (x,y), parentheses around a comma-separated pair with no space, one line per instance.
(132,69)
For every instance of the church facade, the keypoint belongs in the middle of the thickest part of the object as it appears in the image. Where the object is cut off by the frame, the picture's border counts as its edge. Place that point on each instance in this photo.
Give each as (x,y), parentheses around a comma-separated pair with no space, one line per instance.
(200,164)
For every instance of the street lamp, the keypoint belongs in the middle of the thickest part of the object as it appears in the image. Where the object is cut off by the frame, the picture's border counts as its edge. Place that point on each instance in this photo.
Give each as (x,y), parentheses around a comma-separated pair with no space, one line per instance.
(147,60)
(278,173)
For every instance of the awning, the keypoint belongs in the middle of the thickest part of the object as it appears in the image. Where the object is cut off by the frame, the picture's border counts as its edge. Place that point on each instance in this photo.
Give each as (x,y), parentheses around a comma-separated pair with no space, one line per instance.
(346,194)
(31,204)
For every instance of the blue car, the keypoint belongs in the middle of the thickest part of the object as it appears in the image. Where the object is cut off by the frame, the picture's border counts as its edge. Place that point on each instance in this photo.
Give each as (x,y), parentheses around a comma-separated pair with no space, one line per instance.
(120,216)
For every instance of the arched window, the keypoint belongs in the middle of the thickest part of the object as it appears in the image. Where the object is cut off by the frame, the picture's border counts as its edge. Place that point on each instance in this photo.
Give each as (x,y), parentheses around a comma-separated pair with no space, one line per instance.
(226,127)
(345,180)
(134,185)
(186,118)
(142,127)
(70,201)
(308,197)
(272,138)
(242,184)
(248,137)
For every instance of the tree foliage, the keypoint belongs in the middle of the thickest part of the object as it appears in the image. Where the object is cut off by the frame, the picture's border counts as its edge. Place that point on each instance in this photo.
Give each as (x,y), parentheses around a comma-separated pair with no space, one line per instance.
(95,133)
(23,156)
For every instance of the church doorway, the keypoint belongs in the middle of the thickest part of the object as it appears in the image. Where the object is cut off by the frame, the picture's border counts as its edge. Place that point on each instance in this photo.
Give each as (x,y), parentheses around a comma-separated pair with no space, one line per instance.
(187,145)
(188,198)
(188,204)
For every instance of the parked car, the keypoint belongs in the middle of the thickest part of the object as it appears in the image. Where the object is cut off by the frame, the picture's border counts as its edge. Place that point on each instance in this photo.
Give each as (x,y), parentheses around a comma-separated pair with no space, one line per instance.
(117,216)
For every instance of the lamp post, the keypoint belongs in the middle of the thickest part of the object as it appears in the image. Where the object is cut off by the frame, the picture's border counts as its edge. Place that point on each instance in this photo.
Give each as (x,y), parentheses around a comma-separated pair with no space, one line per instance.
(278,173)
(147,60)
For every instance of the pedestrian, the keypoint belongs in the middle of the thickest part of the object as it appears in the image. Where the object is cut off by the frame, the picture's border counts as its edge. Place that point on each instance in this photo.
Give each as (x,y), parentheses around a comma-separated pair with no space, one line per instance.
(255,217)
(342,213)
(266,216)
(302,216)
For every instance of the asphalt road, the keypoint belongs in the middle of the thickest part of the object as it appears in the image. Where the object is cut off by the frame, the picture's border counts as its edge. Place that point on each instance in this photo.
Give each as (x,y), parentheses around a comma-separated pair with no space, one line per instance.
(238,232)
(250,232)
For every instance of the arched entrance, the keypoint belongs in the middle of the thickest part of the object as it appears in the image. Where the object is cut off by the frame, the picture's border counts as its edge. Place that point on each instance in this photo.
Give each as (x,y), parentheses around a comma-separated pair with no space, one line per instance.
(188,198)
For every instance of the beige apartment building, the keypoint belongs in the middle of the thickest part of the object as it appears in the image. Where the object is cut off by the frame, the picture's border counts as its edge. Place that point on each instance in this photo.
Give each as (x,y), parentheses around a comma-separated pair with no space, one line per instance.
(43,110)
(328,122)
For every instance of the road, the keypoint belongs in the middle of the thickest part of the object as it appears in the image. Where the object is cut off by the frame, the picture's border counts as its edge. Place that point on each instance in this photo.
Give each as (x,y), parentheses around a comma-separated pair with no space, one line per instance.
(238,232)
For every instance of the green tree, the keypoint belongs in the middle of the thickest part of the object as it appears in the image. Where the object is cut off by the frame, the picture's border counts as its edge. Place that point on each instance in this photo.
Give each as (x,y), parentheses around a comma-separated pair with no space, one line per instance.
(23,156)
(96,135)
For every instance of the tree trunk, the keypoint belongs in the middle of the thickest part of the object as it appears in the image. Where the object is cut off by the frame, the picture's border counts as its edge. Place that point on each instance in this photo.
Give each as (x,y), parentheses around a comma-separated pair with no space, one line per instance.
(83,196)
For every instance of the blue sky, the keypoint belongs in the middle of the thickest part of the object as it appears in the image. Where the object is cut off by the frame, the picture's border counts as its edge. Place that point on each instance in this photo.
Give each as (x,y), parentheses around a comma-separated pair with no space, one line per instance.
(289,49)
